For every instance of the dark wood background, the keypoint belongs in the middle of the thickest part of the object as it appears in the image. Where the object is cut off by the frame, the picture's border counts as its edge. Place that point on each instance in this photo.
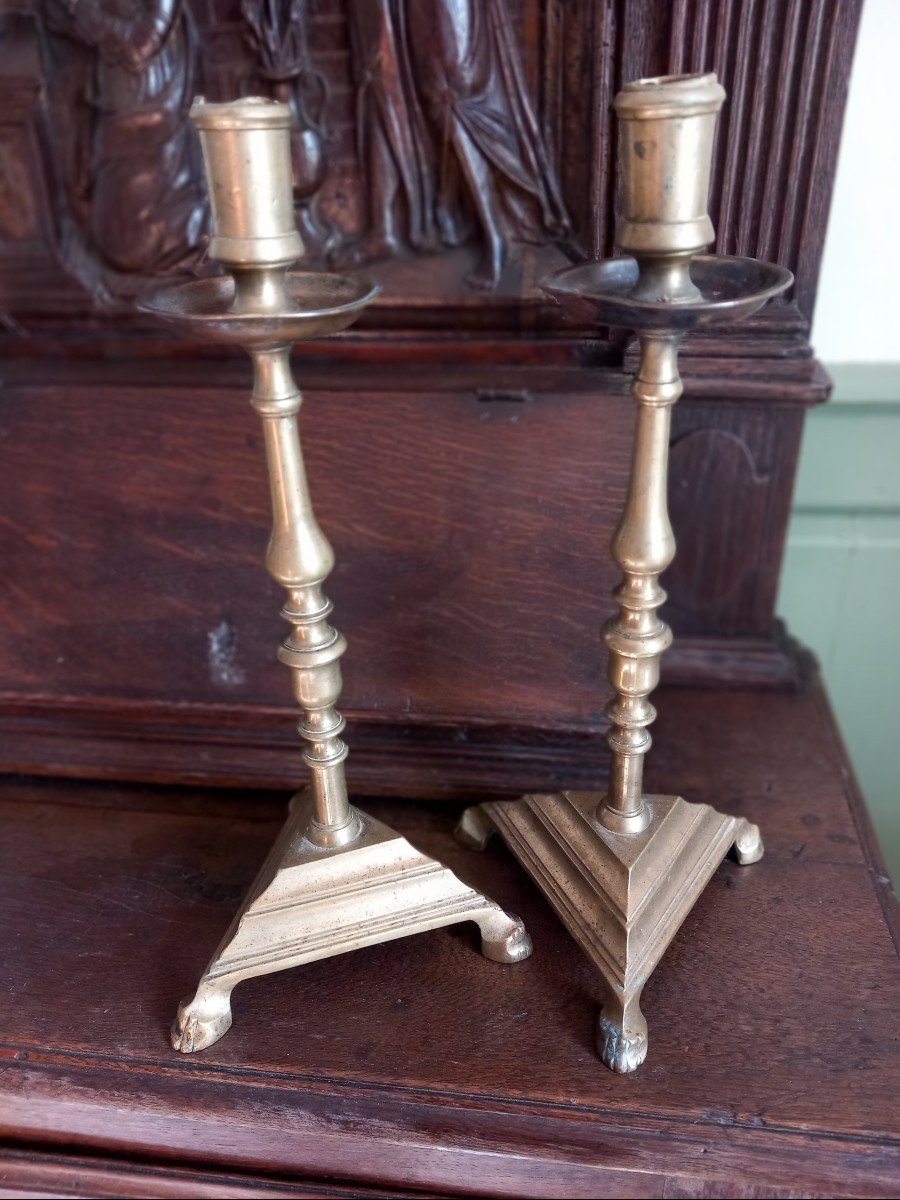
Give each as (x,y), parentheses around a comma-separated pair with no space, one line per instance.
(467,449)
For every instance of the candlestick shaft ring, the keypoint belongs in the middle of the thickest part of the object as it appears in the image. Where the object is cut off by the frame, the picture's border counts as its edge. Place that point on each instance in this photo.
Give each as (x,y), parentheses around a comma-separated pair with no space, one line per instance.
(300,558)
(643,546)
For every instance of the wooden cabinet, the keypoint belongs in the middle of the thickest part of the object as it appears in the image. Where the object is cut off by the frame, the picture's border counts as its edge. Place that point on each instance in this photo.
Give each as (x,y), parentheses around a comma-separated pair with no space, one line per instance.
(468,446)
(419,1066)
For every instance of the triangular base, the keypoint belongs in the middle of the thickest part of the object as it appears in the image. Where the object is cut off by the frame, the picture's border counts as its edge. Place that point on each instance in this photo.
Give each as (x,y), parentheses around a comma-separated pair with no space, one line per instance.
(310,902)
(622,896)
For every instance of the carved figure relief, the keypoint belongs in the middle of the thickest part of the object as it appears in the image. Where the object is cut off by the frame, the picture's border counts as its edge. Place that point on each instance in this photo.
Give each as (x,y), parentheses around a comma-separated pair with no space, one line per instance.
(393,144)
(430,94)
(448,130)
(134,202)
(277,33)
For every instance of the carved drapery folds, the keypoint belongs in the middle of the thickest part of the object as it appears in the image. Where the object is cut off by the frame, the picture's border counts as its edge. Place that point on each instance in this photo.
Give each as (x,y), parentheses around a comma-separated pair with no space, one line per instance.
(446,144)
(131,199)
(396,152)
(422,126)
(448,132)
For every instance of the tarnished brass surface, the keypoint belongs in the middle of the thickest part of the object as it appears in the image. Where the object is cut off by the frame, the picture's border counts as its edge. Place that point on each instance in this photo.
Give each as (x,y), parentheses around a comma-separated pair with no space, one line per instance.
(336,879)
(623,869)
(316,304)
(728,289)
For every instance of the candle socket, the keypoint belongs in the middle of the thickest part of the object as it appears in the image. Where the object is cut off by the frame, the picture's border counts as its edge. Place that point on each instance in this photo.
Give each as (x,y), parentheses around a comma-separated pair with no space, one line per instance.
(247,155)
(666,131)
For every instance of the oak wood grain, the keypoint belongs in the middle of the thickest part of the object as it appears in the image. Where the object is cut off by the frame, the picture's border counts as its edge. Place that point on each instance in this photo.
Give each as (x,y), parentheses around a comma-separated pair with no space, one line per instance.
(470,526)
(418,1064)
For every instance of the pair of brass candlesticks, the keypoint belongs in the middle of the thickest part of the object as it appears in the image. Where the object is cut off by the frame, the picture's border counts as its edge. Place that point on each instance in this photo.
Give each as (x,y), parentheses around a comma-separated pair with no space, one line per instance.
(621,869)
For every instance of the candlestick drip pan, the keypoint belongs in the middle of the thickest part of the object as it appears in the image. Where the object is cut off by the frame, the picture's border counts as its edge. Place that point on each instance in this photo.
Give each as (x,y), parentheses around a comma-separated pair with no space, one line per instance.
(731,289)
(322,304)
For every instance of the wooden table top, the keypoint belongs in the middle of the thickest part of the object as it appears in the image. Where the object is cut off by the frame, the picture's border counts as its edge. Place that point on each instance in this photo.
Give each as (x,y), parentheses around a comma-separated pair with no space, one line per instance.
(419,1065)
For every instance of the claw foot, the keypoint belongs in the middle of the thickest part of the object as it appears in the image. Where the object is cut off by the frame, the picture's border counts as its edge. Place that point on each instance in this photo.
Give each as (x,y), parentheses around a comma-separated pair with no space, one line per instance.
(622,1033)
(201,1021)
(620,1051)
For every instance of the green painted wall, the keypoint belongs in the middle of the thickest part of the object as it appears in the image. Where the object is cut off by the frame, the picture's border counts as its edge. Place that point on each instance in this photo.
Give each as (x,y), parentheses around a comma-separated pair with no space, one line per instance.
(841,580)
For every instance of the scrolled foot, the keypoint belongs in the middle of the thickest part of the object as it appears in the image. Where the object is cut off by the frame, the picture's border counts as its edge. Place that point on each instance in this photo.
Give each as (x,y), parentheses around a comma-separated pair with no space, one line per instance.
(748,844)
(475,828)
(201,1021)
(504,938)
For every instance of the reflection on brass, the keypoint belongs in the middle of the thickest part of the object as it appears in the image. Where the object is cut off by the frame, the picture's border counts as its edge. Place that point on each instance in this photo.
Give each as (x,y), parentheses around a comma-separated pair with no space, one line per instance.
(336,879)
(622,869)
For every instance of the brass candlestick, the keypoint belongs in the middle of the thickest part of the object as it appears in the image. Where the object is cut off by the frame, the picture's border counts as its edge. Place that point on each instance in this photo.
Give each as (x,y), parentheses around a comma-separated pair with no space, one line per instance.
(623,869)
(336,879)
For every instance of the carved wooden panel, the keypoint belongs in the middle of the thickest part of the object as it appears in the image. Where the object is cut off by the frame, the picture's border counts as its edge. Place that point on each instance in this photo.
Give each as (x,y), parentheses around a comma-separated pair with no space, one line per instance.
(31,275)
(471,441)
(418,145)
(459,148)
(724,580)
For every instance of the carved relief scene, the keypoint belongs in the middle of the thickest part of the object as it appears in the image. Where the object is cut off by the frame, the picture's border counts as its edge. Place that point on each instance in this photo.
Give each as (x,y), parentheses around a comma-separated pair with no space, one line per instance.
(419,150)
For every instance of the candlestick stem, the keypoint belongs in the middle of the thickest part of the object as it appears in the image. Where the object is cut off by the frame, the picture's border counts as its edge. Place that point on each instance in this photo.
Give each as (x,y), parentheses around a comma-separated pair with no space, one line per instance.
(300,558)
(260,290)
(643,546)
